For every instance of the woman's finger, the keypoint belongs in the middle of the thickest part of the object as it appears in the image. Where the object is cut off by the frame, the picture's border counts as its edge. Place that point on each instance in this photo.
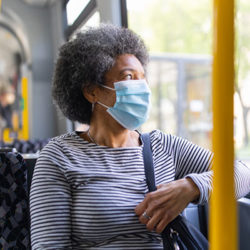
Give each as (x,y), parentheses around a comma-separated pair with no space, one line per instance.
(152,223)
(141,207)
(163,223)
(145,217)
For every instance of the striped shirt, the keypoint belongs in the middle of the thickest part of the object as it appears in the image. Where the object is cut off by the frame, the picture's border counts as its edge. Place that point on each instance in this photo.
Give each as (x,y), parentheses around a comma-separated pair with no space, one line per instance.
(83,195)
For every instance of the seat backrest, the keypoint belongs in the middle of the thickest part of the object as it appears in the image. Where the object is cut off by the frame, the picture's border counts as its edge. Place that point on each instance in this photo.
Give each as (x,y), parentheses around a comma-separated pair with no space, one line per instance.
(198,216)
(248,196)
(30,161)
(244,223)
(14,212)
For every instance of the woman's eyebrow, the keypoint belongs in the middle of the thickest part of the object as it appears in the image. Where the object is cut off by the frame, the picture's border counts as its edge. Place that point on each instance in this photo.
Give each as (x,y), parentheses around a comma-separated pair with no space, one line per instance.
(126,69)
(129,69)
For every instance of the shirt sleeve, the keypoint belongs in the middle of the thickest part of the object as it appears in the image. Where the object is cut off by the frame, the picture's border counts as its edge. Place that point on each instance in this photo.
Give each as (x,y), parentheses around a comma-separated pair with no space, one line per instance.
(195,162)
(242,179)
(50,202)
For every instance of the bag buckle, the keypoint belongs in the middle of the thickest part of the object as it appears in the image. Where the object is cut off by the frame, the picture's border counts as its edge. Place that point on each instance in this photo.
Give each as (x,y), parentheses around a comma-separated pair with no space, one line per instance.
(174,234)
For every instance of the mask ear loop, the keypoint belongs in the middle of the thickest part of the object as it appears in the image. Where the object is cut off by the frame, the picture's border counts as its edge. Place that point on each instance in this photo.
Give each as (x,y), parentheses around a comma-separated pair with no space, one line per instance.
(107,87)
(105,106)
(102,104)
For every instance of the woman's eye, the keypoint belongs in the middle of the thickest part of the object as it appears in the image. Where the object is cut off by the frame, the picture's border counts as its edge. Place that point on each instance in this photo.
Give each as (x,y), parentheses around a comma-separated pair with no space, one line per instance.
(128,77)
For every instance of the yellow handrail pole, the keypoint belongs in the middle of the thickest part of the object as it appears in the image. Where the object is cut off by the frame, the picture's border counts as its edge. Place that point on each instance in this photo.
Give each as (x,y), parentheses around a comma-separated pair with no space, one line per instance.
(0,5)
(223,227)
(25,112)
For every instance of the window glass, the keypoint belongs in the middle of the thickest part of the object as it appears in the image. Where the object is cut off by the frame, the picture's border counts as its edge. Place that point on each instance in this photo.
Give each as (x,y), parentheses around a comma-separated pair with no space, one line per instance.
(242,81)
(197,111)
(178,35)
(74,8)
(162,77)
(93,21)
(173,26)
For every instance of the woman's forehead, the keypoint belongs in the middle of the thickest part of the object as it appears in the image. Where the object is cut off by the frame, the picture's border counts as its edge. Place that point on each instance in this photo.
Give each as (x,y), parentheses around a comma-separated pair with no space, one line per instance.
(127,61)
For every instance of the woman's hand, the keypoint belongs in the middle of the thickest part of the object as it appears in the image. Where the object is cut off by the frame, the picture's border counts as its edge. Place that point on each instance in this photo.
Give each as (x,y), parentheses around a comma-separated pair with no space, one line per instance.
(164,204)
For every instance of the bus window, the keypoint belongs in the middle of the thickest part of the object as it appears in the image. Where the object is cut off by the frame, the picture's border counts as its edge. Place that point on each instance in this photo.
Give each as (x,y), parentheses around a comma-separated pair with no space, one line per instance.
(74,8)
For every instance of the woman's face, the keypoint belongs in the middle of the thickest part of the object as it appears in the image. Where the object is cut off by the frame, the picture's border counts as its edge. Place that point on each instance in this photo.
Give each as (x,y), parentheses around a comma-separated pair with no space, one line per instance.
(126,67)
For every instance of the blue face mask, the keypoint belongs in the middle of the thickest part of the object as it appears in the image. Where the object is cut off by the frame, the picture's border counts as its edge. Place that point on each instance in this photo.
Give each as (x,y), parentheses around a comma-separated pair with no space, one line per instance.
(132,104)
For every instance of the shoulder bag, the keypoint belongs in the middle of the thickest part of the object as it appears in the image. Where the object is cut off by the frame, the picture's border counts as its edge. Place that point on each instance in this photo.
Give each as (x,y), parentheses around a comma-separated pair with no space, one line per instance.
(179,233)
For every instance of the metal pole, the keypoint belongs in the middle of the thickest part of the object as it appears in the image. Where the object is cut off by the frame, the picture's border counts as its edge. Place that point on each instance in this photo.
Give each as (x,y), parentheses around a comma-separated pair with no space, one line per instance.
(223,226)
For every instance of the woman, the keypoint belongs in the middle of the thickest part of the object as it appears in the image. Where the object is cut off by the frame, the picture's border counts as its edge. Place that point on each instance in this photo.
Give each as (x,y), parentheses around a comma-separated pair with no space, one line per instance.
(88,189)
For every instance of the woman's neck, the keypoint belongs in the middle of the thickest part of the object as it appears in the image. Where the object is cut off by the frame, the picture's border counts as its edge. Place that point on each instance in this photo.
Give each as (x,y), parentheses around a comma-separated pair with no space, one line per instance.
(113,138)
(107,132)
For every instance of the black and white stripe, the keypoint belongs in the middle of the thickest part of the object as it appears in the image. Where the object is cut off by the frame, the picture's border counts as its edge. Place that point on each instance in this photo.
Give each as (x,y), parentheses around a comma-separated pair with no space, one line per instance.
(83,195)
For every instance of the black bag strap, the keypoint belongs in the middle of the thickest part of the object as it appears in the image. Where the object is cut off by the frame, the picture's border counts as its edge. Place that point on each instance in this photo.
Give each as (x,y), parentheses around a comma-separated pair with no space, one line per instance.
(150,173)
(193,239)
(148,162)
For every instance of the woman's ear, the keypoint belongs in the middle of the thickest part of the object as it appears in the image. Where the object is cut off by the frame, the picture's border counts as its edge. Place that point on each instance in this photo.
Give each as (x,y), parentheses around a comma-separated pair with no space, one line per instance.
(90,94)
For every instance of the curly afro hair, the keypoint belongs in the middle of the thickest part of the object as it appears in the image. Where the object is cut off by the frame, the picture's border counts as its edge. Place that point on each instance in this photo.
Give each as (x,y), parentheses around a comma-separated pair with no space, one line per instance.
(84,61)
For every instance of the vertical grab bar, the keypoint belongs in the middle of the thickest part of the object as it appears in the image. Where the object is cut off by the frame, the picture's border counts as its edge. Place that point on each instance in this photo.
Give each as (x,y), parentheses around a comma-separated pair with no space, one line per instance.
(223,227)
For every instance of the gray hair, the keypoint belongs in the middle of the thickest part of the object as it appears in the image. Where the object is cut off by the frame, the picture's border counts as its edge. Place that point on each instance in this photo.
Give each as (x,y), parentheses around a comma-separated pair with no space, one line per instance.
(84,61)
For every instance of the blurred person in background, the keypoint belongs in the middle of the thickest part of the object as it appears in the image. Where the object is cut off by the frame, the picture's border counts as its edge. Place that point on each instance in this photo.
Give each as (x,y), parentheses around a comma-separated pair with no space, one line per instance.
(7,99)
